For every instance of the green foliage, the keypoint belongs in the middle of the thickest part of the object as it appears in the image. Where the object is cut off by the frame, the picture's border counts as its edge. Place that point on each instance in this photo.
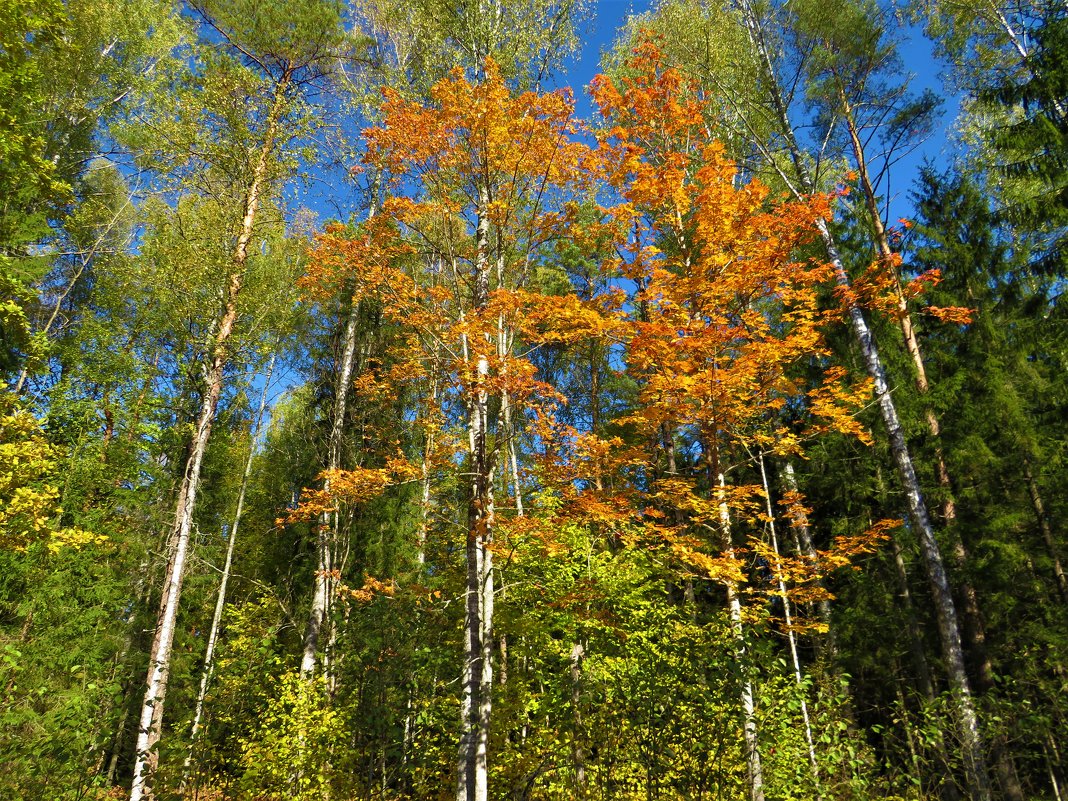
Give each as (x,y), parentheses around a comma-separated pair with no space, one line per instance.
(128,132)
(288,756)
(1031,147)
(28,501)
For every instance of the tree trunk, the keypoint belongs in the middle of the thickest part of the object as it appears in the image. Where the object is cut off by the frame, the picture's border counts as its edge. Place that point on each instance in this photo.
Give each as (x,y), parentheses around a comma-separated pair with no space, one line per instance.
(919,660)
(220,601)
(578,753)
(327,531)
(477,705)
(973,629)
(945,609)
(734,608)
(806,546)
(791,636)
(1047,531)
(146,757)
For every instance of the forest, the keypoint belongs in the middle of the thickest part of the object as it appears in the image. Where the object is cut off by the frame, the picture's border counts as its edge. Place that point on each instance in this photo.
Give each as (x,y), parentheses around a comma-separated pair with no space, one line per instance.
(393,408)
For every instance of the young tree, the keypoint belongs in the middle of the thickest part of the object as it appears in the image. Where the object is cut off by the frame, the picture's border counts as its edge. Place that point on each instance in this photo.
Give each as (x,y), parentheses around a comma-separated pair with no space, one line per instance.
(727,312)
(483,168)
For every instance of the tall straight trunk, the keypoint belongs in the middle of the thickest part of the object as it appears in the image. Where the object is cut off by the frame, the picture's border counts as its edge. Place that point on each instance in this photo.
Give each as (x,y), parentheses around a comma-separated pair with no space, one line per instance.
(327,530)
(972,751)
(805,546)
(146,757)
(220,600)
(425,478)
(791,635)
(734,608)
(431,439)
(477,704)
(973,628)
(578,753)
(513,456)
(504,347)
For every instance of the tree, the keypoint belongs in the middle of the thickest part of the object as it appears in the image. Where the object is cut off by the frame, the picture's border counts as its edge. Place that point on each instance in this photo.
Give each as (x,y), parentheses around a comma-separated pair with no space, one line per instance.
(792,166)
(483,166)
(726,314)
(283,48)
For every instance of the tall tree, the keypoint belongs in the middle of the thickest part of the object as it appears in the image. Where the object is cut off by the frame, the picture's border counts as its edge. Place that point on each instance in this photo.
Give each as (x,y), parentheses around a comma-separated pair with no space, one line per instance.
(267,56)
(484,166)
(787,158)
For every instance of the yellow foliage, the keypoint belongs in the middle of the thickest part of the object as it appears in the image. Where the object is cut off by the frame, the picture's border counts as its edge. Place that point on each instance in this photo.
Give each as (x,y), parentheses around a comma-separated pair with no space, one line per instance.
(29,505)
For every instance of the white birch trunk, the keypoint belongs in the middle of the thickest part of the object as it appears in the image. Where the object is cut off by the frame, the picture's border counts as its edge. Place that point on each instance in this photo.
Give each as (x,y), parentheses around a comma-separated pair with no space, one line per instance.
(151,718)
(972,751)
(477,705)
(220,600)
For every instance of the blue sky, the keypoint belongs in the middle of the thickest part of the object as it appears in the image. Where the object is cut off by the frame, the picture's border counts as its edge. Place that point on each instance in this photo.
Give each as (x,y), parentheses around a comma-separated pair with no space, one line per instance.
(609,16)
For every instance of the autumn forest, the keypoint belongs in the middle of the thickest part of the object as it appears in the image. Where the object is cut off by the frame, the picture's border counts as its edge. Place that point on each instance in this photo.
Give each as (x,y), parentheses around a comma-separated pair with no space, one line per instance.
(382,418)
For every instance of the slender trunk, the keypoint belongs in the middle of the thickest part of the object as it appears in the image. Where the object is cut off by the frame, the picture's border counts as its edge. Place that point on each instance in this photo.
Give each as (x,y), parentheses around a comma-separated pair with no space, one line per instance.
(791,636)
(945,610)
(220,601)
(326,531)
(504,342)
(595,410)
(150,725)
(734,607)
(799,524)
(1047,531)
(972,628)
(1052,763)
(477,705)
(578,754)
(513,458)
(113,760)
(425,476)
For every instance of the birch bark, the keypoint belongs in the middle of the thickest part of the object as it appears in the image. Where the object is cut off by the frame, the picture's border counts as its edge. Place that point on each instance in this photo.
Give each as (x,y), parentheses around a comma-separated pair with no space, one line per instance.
(477,705)
(220,600)
(748,697)
(151,718)
(972,751)
(791,636)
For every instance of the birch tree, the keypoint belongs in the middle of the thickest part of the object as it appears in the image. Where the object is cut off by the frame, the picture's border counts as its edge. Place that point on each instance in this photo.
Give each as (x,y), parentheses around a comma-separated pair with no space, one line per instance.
(785,156)
(244,114)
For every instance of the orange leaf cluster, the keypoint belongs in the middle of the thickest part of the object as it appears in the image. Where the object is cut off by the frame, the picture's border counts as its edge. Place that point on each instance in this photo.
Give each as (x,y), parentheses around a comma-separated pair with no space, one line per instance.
(371,589)
(729,312)
(355,486)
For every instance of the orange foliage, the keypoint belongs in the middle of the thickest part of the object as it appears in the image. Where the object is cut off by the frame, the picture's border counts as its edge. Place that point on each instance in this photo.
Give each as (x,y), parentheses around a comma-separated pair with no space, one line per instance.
(355,486)
(729,312)
(729,322)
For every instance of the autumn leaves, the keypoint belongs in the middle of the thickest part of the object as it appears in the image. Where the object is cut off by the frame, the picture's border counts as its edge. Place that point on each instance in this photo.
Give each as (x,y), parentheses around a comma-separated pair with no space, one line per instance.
(709,298)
